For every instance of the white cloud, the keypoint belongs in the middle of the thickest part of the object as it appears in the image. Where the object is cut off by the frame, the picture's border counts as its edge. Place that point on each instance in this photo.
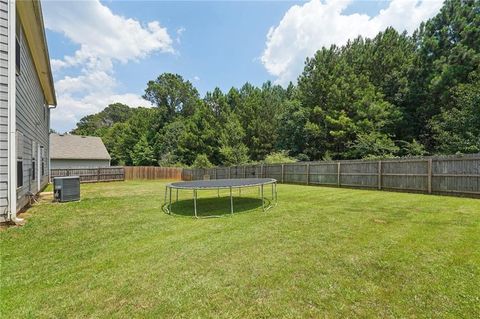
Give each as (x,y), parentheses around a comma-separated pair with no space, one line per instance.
(104,39)
(180,32)
(305,29)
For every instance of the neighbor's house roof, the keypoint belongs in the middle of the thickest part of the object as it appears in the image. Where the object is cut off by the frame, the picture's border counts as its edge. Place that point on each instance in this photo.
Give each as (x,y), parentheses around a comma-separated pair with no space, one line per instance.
(30,14)
(77,147)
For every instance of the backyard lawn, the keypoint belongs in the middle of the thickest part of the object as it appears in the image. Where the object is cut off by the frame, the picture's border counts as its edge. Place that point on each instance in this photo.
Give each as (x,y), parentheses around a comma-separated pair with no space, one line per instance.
(322,252)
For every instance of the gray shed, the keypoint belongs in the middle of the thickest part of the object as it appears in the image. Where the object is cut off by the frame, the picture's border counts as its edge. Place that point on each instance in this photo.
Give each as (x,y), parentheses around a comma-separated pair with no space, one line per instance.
(74,151)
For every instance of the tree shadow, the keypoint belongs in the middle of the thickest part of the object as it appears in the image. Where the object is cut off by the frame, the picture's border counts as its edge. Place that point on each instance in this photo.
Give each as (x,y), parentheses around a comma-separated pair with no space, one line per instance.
(216,206)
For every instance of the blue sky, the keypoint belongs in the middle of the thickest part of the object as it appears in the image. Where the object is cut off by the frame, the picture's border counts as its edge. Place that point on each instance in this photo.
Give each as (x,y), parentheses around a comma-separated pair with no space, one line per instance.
(107,51)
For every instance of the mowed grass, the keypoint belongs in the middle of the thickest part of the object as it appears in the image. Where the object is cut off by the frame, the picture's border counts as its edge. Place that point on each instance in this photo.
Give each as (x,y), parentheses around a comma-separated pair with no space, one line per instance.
(322,252)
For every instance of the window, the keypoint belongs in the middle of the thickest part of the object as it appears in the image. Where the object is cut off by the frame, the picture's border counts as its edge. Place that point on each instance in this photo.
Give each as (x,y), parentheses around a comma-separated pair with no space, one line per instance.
(42,156)
(34,162)
(19,144)
(17,44)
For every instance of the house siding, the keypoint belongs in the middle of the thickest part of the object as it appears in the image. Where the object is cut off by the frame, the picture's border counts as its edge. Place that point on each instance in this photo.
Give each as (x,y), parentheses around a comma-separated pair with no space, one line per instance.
(3,108)
(33,121)
(77,163)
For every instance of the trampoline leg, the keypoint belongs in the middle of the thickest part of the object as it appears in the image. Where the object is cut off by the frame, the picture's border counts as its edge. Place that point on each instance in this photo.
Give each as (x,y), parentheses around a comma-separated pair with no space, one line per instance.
(165,199)
(272,191)
(276,196)
(218,192)
(231,201)
(263,202)
(170,201)
(177,196)
(239,192)
(195,202)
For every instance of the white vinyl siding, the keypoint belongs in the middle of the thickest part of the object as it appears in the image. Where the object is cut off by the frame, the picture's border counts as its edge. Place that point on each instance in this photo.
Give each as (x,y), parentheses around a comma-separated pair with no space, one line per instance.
(78,163)
(3,107)
(31,121)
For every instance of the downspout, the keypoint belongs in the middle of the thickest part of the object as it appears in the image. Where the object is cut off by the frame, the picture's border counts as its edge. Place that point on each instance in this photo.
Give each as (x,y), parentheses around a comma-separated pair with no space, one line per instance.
(12,114)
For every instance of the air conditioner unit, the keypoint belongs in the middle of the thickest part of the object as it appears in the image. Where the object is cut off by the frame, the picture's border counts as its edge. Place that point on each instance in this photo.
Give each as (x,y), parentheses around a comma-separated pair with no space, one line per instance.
(66,189)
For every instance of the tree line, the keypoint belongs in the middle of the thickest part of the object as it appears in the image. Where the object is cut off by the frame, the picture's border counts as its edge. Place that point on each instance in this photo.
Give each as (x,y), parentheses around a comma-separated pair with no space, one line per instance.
(391,95)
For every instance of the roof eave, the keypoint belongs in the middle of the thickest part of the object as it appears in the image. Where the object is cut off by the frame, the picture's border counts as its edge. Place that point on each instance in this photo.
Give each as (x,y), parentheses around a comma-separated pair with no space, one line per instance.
(30,14)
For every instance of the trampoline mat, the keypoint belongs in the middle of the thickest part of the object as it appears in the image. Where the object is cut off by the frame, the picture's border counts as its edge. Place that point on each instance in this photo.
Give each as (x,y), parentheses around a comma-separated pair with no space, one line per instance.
(222,183)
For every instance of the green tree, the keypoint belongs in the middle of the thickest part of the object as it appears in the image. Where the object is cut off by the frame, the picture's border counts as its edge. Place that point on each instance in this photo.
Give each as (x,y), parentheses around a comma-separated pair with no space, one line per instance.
(201,161)
(142,153)
(172,95)
(457,127)
(97,124)
(448,53)
(232,149)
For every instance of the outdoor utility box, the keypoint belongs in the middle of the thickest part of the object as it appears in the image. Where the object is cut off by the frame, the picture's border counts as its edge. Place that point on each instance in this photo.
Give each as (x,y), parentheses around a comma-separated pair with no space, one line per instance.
(66,189)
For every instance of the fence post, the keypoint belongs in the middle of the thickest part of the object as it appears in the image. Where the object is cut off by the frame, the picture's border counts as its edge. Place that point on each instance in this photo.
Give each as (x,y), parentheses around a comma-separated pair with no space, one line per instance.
(308,173)
(244,172)
(98,174)
(283,172)
(229,172)
(429,182)
(379,174)
(338,174)
(215,172)
(261,170)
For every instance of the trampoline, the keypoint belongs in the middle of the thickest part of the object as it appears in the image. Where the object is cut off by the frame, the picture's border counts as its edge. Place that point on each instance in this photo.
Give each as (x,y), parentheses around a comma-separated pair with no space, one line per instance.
(218,184)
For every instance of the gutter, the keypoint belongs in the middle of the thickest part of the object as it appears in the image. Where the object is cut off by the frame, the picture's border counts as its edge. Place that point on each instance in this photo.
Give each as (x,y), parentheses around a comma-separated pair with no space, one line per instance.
(12,113)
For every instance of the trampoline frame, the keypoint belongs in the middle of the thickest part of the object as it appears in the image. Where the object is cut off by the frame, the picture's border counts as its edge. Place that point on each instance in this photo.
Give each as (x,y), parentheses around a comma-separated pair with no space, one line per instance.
(261,182)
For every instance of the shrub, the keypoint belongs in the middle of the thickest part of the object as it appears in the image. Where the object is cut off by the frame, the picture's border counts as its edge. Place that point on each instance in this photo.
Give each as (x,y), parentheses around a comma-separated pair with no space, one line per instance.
(279,157)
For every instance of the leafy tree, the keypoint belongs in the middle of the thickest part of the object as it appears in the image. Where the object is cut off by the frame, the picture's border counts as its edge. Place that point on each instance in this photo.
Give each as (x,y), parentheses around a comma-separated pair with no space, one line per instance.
(142,153)
(373,144)
(201,161)
(232,150)
(172,95)
(457,127)
(97,124)
(448,53)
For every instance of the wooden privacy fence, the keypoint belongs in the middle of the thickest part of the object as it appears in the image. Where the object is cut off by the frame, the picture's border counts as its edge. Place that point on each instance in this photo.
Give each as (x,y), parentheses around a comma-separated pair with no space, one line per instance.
(441,175)
(102,174)
(152,172)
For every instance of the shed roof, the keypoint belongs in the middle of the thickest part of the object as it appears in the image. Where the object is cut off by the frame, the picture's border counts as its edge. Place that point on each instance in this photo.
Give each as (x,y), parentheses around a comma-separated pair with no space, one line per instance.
(77,147)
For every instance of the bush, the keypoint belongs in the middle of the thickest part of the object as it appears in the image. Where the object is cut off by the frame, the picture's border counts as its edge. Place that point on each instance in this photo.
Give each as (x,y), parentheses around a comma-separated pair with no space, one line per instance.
(279,157)
(201,161)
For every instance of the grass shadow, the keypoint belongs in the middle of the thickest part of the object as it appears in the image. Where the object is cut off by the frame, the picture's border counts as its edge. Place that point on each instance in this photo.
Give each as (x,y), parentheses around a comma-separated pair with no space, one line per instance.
(216,206)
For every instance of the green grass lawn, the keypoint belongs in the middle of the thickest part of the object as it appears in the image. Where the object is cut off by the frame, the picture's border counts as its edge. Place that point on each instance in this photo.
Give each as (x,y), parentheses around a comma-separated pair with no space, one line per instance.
(322,252)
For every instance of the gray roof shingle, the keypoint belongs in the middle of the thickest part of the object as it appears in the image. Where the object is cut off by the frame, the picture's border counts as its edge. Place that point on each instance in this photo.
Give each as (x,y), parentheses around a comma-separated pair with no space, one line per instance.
(77,147)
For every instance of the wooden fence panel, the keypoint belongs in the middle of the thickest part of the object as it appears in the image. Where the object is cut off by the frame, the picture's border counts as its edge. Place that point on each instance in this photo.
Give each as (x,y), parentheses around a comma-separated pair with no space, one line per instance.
(104,174)
(444,175)
(324,173)
(359,174)
(153,172)
(405,175)
(456,176)
(273,171)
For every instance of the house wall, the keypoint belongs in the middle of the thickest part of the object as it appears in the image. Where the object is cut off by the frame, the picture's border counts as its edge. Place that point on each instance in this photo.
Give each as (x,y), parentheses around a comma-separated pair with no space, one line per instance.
(67,163)
(3,108)
(33,121)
